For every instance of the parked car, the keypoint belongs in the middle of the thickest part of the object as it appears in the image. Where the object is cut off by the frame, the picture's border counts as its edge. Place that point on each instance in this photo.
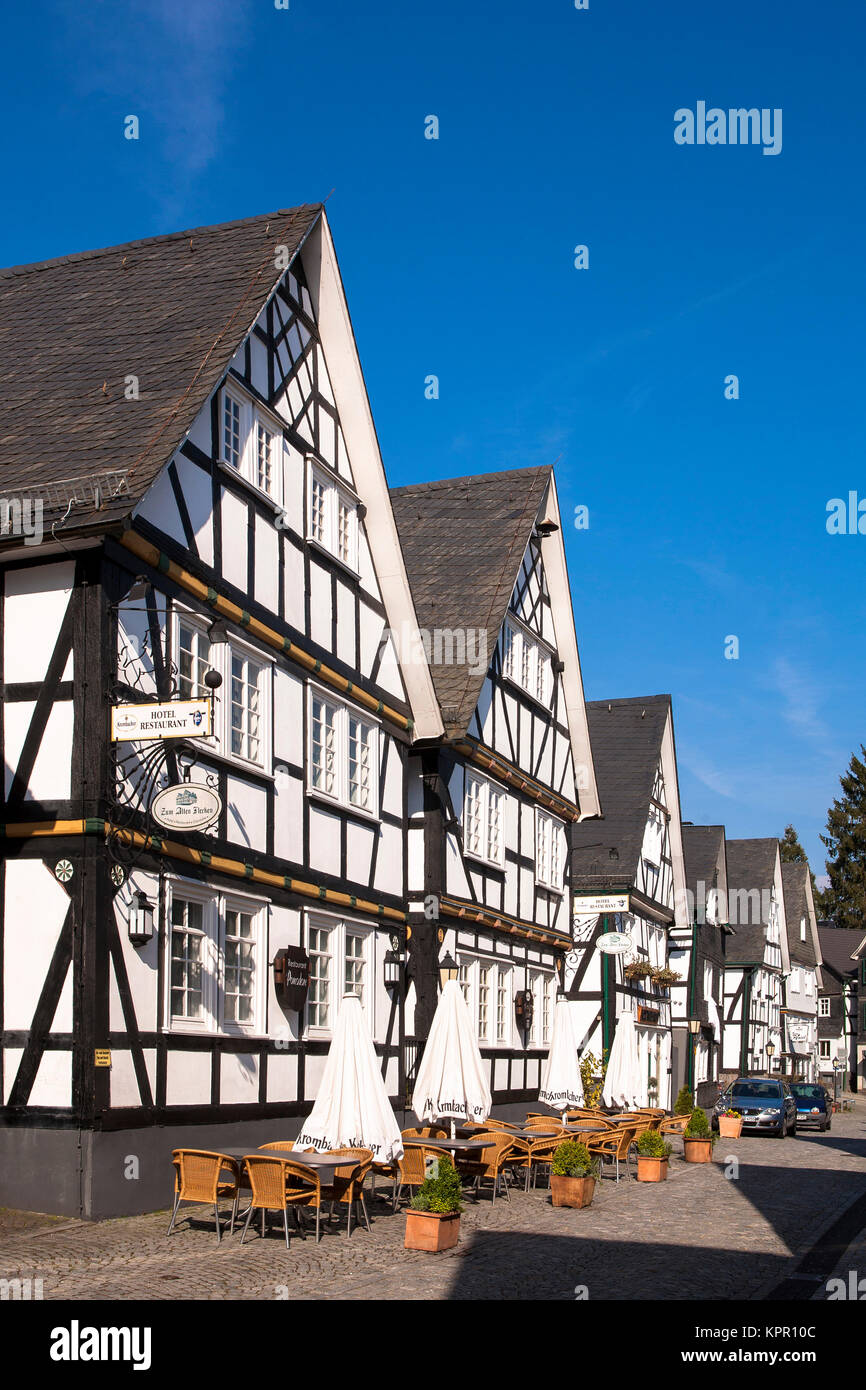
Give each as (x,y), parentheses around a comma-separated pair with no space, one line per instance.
(765,1103)
(813,1105)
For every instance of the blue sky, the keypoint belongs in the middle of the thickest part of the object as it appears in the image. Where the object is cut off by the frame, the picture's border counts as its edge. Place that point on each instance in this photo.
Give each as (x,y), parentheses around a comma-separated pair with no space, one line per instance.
(707,515)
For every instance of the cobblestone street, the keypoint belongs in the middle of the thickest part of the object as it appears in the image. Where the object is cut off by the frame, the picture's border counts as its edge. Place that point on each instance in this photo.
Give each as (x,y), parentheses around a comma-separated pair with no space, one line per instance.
(700,1235)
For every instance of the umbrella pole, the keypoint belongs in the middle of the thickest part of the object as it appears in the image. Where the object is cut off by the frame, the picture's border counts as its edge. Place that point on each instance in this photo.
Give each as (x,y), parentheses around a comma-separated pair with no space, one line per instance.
(453,1128)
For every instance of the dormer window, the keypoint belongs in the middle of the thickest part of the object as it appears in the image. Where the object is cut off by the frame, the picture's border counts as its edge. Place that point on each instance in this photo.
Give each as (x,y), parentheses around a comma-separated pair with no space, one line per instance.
(333,518)
(527,662)
(252,443)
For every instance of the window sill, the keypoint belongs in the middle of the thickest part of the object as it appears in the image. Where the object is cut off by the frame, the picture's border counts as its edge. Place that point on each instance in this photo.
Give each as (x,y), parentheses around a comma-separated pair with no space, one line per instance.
(237,764)
(335,559)
(542,704)
(333,804)
(231,472)
(486,863)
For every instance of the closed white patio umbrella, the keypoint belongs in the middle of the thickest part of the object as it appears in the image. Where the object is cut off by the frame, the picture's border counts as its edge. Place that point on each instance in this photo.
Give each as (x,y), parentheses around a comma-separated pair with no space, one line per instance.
(352,1110)
(452,1078)
(561,1084)
(622,1080)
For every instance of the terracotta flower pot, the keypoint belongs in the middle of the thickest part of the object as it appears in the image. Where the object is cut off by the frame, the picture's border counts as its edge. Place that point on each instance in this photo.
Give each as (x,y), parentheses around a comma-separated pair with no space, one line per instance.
(650,1169)
(431,1230)
(730,1126)
(697,1150)
(571,1192)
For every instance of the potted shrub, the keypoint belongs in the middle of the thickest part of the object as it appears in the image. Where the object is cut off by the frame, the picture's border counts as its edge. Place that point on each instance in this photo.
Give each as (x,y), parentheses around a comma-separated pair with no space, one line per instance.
(698,1140)
(730,1124)
(653,1153)
(683,1102)
(572,1175)
(433,1215)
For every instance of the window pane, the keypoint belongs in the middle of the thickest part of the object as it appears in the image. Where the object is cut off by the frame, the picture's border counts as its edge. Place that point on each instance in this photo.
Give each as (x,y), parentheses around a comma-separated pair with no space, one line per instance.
(239,967)
(361,754)
(474,814)
(231,431)
(193,659)
(346,530)
(483,999)
(465,985)
(318,999)
(494,826)
(187,937)
(355,962)
(318,510)
(501,1005)
(246,708)
(324,746)
(264,456)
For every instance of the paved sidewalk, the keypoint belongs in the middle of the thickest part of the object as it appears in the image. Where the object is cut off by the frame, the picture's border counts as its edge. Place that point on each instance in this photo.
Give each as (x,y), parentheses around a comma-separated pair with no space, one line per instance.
(720,1231)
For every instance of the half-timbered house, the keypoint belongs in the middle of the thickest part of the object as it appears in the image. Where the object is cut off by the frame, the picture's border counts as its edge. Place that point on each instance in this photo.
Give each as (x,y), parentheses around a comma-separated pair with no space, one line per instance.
(635,853)
(756,958)
(191,416)
(802,984)
(697,954)
(490,804)
(842,1007)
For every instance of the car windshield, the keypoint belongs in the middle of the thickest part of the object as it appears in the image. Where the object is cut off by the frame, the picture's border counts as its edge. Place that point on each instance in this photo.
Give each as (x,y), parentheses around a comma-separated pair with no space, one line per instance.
(809,1092)
(757,1090)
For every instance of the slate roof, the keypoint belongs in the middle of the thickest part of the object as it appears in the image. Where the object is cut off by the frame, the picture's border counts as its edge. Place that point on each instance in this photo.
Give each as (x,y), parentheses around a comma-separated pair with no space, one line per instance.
(171,310)
(751,865)
(626,739)
(703,845)
(837,945)
(463,540)
(794,879)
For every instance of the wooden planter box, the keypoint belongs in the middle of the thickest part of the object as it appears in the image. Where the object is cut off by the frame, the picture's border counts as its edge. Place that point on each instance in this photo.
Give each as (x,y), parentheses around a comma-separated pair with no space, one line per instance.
(571,1192)
(730,1126)
(697,1150)
(651,1169)
(431,1230)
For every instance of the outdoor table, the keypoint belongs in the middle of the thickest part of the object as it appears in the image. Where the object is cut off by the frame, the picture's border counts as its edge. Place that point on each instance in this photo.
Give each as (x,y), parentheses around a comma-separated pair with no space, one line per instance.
(586,1127)
(325,1164)
(455,1145)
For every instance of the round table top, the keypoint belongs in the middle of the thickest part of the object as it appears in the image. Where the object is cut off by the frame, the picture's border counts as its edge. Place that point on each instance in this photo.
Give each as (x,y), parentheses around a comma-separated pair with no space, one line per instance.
(428,1142)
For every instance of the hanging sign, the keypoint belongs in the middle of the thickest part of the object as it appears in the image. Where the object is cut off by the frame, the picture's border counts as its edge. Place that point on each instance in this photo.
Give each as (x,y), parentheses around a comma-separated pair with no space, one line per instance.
(593,905)
(292,977)
(182,719)
(186,806)
(614,943)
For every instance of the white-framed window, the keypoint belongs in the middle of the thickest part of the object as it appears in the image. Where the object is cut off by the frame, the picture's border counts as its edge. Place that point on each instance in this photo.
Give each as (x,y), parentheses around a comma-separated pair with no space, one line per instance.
(823,1008)
(216,956)
(809,982)
(242,708)
(484,975)
(464,979)
(484,819)
(651,877)
(251,442)
(541,986)
(342,957)
(802,928)
(708,980)
(503,1004)
(343,753)
(549,850)
(824,1049)
(332,517)
(527,662)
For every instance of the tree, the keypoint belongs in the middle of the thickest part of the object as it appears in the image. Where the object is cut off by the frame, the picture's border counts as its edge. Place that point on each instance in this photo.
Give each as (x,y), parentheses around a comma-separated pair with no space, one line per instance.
(845,899)
(792,852)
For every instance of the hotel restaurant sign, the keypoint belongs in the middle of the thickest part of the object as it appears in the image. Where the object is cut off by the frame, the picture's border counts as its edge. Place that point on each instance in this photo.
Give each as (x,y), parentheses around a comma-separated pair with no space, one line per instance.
(595,904)
(180,719)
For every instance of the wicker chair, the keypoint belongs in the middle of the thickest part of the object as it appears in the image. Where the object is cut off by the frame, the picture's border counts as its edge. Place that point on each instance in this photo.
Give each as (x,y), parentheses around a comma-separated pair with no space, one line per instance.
(278,1184)
(348,1185)
(531,1154)
(615,1147)
(674,1124)
(197,1179)
(496,1156)
(282,1144)
(426,1132)
(410,1170)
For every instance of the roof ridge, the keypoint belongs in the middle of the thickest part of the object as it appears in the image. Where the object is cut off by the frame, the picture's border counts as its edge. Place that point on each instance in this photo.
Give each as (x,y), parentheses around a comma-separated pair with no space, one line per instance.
(73,257)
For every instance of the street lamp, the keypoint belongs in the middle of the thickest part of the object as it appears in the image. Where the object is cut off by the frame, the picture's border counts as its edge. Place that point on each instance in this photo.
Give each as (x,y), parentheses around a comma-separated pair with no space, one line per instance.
(448,969)
(770,1050)
(694,1030)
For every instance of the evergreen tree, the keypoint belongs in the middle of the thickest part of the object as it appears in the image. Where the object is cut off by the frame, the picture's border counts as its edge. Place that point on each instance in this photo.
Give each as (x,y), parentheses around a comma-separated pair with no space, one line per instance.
(845,899)
(792,852)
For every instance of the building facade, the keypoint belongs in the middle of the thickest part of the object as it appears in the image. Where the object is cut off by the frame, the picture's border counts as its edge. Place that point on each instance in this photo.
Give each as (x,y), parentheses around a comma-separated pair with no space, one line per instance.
(842,1007)
(698,955)
(757,958)
(803,984)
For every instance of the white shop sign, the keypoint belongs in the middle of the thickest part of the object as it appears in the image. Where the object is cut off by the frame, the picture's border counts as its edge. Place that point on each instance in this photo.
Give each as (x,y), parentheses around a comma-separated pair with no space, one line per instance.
(181,719)
(186,806)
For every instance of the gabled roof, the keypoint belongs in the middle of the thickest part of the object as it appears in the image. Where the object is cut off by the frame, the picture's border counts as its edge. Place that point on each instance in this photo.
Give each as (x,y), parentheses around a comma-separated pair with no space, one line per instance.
(751,866)
(795,878)
(463,540)
(838,946)
(626,738)
(703,848)
(170,310)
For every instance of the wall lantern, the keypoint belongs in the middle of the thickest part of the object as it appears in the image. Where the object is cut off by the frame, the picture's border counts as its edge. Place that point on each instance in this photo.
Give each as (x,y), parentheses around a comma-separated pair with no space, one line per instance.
(393,968)
(770,1049)
(694,1026)
(448,969)
(140,919)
